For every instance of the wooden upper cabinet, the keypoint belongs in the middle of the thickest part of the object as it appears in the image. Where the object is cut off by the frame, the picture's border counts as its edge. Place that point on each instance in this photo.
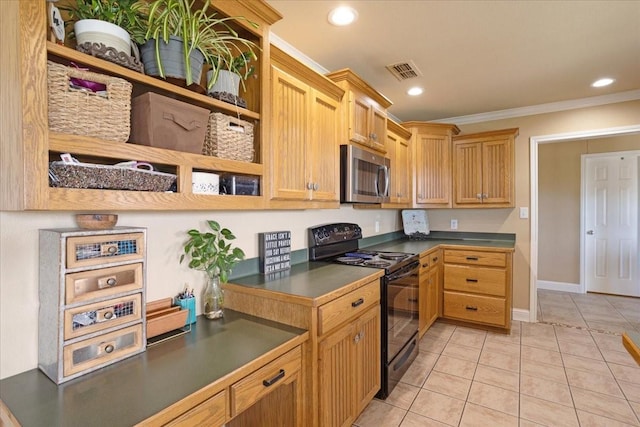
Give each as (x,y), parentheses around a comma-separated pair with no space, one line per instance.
(399,152)
(432,163)
(30,145)
(484,169)
(304,160)
(364,109)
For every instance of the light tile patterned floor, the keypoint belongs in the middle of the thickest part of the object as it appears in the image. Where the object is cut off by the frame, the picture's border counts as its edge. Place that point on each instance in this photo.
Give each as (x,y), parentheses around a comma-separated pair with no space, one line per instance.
(539,375)
(594,311)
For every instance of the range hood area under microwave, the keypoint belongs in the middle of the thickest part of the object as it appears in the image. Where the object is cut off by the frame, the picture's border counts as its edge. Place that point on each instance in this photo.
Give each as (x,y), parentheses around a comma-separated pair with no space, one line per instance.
(364,176)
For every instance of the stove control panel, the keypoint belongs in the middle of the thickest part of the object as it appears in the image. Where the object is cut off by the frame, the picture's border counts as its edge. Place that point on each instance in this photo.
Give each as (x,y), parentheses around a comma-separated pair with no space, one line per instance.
(333,233)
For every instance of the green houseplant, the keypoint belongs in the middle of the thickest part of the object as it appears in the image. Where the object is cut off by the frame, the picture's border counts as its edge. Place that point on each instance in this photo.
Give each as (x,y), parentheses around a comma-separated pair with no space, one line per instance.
(211,252)
(227,73)
(199,34)
(112,17)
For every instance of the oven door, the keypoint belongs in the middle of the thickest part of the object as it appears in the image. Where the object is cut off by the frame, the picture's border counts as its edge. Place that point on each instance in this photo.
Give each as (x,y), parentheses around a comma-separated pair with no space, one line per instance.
(401,308)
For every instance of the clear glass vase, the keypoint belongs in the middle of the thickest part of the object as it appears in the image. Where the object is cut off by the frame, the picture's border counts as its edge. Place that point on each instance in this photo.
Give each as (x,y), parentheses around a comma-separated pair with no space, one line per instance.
(213,298)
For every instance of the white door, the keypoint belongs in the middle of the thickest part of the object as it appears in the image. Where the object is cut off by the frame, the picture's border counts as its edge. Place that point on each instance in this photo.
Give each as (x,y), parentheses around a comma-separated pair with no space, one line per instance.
(611,223)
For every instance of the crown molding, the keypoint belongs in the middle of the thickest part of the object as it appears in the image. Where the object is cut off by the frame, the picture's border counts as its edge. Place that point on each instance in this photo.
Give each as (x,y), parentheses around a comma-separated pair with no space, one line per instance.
(295,53)
(551,107)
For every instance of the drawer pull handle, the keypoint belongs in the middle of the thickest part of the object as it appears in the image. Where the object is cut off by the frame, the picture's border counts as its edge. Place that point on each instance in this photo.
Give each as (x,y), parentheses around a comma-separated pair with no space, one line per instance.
(413,299)
(108,249)
(471,308)
(472,258)
(109,281)
(472,280)
(109,348)
(108,315)
(360,301)
(435,259)
(425,265)
(272,381)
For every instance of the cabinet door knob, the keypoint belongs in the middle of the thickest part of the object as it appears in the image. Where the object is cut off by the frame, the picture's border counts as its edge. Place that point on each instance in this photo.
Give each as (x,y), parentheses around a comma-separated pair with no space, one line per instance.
(309,186)
(479,196)
(485,195)
(315,186)
(356,339)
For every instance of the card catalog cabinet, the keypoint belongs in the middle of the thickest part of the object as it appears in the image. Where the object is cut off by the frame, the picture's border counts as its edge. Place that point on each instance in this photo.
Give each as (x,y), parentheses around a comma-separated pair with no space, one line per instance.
(92,294)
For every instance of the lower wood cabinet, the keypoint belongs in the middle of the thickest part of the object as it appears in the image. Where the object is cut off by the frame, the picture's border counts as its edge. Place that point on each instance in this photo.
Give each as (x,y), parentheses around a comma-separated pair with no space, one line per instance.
(270,396)
(477,287)
(349,369)
(429,295)
(341,368)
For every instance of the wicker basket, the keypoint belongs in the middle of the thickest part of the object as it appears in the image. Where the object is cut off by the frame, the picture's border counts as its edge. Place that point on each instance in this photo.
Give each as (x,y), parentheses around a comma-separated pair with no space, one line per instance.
(88,175)
(82,112)
(229,138)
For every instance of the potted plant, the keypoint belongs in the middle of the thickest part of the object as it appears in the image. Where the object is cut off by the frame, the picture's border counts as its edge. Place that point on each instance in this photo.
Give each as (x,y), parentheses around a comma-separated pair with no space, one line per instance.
(113,23)
(181,38)
(227,74)
(210,252)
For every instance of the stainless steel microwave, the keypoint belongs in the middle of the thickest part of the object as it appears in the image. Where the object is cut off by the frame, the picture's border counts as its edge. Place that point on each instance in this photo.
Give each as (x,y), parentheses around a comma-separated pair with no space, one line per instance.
(364,176)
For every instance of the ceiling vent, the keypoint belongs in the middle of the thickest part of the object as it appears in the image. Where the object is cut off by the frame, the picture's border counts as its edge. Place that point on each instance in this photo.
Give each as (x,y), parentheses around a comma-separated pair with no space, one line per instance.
(404,70)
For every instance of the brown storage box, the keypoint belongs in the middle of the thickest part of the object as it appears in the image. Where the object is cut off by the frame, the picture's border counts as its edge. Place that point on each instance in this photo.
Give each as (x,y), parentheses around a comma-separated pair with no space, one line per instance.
(164,122)
(163,317)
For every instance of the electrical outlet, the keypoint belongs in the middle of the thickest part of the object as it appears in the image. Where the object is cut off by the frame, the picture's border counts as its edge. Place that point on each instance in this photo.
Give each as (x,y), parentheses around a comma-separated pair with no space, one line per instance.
(377,226)
(524,212)
(454,224)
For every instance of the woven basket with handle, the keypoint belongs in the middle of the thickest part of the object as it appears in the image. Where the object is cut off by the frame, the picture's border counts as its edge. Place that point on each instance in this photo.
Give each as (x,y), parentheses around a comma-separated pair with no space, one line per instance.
(229,138)
(82,112)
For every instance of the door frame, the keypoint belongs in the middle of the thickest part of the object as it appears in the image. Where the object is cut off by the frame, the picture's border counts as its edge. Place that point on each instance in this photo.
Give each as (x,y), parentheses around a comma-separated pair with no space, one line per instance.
(583,201)
(534,141)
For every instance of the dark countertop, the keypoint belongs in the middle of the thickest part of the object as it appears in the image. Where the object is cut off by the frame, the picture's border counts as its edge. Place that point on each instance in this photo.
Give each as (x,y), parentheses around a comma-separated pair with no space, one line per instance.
(310,281)
(136,388)
(418,246)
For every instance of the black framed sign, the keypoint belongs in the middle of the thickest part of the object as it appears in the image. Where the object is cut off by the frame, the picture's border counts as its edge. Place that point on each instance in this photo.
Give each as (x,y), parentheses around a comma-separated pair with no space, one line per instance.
(275,251)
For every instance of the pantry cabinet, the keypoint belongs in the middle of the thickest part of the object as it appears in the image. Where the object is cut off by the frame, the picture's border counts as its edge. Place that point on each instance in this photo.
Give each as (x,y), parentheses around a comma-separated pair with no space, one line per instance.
(29,145)
(399,152)
(430,293)
(304,159)
(432,163)
(478,286)
(364,119)
(484,169)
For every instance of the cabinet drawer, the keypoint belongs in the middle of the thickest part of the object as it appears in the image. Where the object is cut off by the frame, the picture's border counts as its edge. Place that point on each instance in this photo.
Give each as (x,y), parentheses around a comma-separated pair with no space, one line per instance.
(476,308)
(254,387)
(492,259)
(105,348)
(83,251)
(211,412)
(347,306)
(91,284)
(491,281)
(429,260)
(83,320)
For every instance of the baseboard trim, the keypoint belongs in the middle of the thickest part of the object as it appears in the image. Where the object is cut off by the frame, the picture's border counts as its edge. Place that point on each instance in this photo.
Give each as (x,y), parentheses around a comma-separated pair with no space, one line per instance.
(520,315)
(559,286)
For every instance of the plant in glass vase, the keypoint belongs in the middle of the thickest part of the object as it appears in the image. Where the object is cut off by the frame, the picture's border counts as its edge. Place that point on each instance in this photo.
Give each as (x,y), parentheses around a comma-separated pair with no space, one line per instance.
(210,252)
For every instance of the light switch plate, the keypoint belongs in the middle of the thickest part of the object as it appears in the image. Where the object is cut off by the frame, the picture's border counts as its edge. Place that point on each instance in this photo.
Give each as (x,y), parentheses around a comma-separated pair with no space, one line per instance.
(524,212)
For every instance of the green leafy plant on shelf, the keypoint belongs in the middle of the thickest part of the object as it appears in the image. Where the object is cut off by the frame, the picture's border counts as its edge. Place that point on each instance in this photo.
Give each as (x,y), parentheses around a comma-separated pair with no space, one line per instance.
(130,15)
(198,28)
(240,65)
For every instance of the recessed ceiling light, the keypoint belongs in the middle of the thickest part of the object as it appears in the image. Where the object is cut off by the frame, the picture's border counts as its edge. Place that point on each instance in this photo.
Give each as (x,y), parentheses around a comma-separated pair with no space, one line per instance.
(343,15)
(602,82)
(415,91)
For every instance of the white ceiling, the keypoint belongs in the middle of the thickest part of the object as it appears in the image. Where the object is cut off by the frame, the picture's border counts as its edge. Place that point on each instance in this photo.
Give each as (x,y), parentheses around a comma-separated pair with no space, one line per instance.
(475,56)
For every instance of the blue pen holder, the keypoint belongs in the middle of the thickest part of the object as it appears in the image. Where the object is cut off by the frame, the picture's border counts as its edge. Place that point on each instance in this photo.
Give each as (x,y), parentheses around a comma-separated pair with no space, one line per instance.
(190,304)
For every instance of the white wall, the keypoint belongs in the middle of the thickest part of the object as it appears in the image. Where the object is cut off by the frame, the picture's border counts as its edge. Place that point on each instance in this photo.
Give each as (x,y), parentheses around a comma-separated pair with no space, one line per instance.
(166,277)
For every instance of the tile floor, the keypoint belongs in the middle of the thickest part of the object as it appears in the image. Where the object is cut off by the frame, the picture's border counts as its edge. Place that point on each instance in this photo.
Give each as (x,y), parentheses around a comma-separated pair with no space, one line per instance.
(594,311)
(539,375)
